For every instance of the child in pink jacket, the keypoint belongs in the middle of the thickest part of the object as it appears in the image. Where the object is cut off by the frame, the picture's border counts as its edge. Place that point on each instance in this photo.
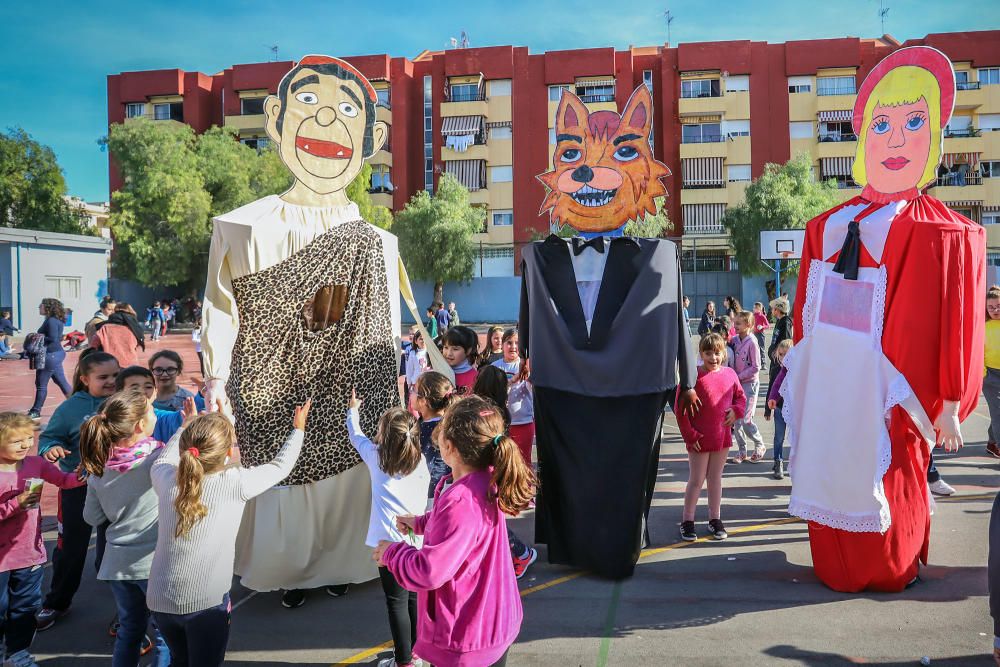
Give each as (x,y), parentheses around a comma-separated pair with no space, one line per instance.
(468,604)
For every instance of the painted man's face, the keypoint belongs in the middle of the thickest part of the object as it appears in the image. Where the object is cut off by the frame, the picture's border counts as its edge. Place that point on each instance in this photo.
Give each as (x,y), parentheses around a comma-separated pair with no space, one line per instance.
(897,146)
(323,130)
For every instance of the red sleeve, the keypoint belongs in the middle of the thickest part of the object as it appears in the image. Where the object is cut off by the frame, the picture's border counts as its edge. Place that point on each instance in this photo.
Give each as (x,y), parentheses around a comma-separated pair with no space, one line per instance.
(963,322)
(51,473)
(690,434)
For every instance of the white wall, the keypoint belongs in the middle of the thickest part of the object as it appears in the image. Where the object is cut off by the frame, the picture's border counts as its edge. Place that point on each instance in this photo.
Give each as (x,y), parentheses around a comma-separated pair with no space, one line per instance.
(44,269)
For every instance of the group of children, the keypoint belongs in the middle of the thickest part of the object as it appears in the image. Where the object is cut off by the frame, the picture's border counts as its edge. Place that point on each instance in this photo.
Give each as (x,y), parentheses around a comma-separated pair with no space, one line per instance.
(167,515)
(730,360)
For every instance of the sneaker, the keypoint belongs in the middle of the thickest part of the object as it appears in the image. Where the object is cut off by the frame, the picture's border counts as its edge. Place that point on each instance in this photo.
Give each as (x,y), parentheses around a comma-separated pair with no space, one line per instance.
(717,529)
(340,590)
(46,618)
(521,563)
(993,450)
(779,473)
(293,598)
(688,533)
(34,415)
(391,662)
(758,455)
(738,458)
(20,659)
(941,488)
(146,646)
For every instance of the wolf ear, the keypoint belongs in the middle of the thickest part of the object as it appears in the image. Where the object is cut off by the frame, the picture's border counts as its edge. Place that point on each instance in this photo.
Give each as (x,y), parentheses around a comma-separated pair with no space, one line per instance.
(571,112)
(638,113)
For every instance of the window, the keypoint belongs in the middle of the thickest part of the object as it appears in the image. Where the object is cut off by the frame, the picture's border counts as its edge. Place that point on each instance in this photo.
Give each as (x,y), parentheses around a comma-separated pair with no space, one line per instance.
(736,128)
(256,143)
(171,111)
(701,134)
(501,174)
(428,135)
(960,126)
(992,218)
(738,84)
(555,92)
(990,168)
(843,182)
(800,130)
(380,181)
(961,76)
(989,122)
(989,76)
(465,92)
(504,132)
(62,287)
(499,87)
(700,88)
(799,84)
(135,109)
(503,218)
(647,79)
(993,259)
(835,85)
(250,106)
(738,172)
(597,91)
(382,98)
(836,131)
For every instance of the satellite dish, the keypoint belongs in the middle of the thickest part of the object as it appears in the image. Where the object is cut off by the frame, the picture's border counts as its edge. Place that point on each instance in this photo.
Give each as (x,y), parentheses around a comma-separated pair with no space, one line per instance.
(453,42)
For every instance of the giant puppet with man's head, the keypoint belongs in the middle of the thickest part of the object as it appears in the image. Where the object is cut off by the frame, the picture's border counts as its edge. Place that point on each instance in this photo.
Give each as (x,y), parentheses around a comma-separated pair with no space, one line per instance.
(302,301)
(889,344)
(602,326)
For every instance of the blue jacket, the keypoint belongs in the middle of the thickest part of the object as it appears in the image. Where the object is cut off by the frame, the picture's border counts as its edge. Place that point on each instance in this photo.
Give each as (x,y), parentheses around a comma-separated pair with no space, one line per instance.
(167,423)
(52,329)
(63,429)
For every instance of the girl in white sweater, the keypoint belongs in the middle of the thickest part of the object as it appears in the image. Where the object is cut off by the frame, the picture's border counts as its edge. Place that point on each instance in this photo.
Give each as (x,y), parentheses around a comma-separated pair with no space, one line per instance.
(201,500)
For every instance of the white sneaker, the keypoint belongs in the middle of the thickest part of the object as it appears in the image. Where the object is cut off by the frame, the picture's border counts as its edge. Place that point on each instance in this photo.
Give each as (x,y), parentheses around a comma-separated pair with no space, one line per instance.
(21,659)
(391,662)
(941,488)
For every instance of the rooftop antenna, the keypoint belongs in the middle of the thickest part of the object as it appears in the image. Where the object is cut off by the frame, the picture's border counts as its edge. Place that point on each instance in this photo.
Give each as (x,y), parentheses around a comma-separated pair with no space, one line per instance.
(465,40)
(669,18)
(274,52)
(883,11)
(453,42)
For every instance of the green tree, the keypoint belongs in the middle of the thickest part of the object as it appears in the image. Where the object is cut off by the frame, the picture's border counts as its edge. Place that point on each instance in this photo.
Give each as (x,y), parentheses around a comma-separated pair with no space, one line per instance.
(175,181)
(786,196)
(650,226)
(435,234)
(32,187)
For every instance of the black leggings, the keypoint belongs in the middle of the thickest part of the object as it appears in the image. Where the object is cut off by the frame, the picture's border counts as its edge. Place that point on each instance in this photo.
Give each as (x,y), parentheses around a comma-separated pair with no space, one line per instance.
(402,607)
(71,549)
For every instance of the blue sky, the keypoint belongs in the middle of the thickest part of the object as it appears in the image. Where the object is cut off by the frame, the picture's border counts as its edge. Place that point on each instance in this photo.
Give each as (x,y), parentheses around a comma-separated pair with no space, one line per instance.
(57,54)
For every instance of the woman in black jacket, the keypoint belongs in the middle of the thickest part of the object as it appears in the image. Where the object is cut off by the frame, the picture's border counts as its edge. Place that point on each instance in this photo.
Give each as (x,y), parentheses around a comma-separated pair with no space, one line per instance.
(52,329)
(783,330)
(707,319)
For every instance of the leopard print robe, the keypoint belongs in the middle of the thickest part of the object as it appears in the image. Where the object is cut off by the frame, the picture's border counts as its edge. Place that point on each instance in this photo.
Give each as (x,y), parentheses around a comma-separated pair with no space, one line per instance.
(278,362)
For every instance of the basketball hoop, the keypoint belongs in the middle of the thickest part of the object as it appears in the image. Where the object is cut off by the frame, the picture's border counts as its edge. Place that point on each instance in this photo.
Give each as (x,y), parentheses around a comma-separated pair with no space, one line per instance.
(785,254)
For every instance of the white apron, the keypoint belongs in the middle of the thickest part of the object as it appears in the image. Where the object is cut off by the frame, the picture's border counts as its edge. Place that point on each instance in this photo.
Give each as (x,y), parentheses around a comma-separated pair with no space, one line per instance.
(840,389)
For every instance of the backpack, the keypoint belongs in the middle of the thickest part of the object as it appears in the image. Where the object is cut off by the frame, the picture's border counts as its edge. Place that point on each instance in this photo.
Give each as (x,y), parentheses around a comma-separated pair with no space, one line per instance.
(34,347)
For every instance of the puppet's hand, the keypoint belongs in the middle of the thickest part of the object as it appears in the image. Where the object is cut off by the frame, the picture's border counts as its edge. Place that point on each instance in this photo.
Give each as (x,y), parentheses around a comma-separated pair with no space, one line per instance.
(215,396)
(947,428)
(689,403)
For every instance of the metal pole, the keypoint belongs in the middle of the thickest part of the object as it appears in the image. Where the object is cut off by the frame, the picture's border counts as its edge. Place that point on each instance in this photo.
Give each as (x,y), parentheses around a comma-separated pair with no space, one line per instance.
(777,279)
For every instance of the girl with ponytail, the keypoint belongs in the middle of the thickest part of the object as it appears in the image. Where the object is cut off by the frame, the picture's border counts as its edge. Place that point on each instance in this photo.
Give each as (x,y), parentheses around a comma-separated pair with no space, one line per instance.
(468,603)
(201,501)
(117,451)
(434,392)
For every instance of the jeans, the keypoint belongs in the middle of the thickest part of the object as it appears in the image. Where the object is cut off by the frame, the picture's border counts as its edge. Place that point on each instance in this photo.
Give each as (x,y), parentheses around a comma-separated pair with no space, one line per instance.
(932,472)
(70,553)
(53,371)
(745,430)
(20,599)
(517,547)
(198,639)
(779,433)
(133,616)
(402,607)
(438,469)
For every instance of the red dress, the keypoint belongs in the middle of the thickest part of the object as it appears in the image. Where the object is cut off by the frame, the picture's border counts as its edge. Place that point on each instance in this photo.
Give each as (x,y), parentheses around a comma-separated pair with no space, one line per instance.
(719,391)
(934,261)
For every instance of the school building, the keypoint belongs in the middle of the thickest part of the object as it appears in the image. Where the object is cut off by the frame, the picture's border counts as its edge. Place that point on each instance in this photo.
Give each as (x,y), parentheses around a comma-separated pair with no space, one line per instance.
(722,111)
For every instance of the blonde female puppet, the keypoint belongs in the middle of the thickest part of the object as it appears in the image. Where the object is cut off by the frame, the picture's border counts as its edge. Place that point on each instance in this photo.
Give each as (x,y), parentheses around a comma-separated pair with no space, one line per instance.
(889,355)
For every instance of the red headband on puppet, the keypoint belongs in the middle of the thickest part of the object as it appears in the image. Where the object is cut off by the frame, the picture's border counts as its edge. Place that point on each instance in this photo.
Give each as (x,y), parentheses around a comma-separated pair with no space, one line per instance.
(924,57)
(327,60)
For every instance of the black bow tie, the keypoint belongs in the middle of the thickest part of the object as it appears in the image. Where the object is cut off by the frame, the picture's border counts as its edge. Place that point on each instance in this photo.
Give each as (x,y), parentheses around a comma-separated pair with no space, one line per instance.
(597,243)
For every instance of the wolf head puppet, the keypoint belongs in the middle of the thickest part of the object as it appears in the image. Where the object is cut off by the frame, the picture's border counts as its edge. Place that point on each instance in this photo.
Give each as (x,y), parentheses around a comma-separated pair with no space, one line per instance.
(604,173)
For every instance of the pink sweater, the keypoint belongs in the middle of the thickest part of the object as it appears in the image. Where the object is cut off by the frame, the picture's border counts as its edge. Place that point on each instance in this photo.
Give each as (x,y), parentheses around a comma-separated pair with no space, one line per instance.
(21,529)
(719,391)
(468,602)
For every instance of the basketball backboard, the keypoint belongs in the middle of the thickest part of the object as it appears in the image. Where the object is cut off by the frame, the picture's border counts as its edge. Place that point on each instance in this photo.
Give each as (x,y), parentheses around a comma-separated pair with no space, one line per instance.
(781,244)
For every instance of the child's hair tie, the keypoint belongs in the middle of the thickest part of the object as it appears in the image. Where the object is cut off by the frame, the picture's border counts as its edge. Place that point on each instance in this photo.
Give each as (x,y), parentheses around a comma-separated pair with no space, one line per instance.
(496,440)
(485,413)
(193,451)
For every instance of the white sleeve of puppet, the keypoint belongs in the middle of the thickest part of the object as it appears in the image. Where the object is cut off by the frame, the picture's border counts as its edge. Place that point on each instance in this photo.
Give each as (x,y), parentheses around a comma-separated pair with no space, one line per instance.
(220,321)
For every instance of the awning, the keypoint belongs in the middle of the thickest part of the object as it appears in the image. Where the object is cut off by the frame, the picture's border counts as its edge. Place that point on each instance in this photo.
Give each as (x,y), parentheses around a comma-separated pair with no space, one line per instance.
(694,120)
(499,123)
(702,171)
(470,173)
(704,218)
(991,208)
(967,203)
(841,116)
(949,160)
(835,166)
(456,125)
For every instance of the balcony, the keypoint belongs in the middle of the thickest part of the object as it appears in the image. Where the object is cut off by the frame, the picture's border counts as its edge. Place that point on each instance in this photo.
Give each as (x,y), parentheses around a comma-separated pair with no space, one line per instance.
(958,134)
(959,179)
(959,186)
(382,156)
(968,140)
(704,228)
(826,91)
(967,85)
(248,122)
(836,136)
(826,149)
(587,99)
(704,146)
(475,104)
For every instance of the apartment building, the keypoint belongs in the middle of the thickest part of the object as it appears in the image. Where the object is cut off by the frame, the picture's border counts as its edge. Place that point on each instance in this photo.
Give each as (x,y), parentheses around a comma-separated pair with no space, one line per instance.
(722,111)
